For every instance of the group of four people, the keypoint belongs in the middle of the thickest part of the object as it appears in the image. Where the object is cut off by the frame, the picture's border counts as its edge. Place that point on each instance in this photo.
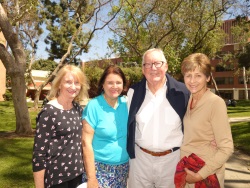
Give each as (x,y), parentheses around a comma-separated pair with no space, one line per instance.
(142,140)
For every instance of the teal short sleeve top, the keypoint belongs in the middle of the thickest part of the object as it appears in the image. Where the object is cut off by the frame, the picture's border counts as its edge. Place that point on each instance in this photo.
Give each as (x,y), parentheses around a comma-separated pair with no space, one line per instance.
(110,126)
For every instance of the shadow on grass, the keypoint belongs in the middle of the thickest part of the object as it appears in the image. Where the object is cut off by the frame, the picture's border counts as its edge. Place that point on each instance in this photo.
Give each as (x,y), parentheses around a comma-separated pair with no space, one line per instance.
(16,160)
(238,111)
(241,136)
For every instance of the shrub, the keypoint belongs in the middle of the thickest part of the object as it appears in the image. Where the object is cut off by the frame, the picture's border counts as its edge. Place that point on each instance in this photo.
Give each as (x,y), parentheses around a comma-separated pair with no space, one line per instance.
(7,96)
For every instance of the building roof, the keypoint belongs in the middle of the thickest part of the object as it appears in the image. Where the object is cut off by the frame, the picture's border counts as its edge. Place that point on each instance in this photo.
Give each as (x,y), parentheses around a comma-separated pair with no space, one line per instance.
(40,73)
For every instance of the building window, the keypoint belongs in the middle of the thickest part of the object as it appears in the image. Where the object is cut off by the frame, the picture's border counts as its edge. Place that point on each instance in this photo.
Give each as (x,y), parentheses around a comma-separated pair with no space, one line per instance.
(226,94)
(220,68)
(241,81)
(242,94)
(224,80)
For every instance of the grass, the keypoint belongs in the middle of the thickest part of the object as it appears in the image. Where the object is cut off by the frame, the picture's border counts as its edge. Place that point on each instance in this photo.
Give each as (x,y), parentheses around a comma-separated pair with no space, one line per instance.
(241,130)
(15,160)
(7,116)
(242,109)
(16,152)
(241,136)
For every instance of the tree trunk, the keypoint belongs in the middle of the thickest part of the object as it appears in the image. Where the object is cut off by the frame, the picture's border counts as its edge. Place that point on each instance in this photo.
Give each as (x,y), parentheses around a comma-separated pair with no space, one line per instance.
(215,85)
(37,96)
(23,124)
(245,83)
(14,63)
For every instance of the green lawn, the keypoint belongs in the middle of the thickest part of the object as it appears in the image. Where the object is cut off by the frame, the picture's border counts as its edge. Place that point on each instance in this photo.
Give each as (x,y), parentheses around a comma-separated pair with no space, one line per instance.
(16,152)
(15,160)
(242,109)
(241,136)
(241,131)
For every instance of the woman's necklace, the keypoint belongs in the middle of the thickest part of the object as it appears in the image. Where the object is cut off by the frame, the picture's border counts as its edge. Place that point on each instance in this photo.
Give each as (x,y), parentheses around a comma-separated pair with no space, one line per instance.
(112,103)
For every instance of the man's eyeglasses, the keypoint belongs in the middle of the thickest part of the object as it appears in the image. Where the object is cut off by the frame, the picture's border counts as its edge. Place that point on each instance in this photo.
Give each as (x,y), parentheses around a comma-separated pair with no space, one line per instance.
(157,64)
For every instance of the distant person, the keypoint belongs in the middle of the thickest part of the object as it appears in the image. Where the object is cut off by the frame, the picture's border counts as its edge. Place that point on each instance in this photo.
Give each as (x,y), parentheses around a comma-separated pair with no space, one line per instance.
(105,133)
(57,153)
(207,132)
(157,105)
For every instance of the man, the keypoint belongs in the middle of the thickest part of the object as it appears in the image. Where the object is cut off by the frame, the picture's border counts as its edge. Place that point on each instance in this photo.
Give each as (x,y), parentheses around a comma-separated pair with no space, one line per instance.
(157,105)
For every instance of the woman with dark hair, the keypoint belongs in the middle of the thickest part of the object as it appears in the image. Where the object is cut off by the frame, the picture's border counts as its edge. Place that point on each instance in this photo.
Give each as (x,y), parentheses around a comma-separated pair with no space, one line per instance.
(105,133)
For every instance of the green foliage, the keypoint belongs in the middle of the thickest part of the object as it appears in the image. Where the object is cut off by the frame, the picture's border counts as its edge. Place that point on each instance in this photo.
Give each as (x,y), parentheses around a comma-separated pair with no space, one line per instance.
(93,73)
(63,20)
(26,19)
(133,74)
(241,34)
(241,30)
(44,64)
(168,25)
(7,96)
(244,57)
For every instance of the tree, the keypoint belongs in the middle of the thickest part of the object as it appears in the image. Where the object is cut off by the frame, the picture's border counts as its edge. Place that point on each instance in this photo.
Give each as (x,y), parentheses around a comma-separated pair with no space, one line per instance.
(81,13)
(63,18)
(15,64)
(25,18)
(244,63)
(241,34)
(44,64)
(179,27)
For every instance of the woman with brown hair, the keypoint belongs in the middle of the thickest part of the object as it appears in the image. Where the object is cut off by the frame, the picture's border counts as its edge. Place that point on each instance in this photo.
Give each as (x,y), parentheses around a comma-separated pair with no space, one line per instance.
(207,133)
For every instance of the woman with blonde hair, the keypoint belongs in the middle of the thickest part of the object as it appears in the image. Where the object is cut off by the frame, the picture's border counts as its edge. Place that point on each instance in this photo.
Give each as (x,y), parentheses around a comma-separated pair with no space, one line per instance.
(57,152)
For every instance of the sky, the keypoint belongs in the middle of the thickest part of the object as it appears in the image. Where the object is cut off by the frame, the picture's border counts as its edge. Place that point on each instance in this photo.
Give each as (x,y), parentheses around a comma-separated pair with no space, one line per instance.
(97,50)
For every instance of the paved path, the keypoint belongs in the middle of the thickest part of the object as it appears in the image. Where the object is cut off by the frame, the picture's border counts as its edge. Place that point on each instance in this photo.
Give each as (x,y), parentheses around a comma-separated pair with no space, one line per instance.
(237,173)
(239,119)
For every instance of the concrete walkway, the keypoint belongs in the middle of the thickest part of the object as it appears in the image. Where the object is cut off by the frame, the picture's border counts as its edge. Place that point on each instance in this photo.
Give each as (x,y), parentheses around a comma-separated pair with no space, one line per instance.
(237,173)
(239,119)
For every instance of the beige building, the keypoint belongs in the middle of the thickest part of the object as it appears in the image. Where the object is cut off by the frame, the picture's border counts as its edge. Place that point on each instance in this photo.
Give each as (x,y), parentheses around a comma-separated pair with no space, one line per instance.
(39,77)
(2,71)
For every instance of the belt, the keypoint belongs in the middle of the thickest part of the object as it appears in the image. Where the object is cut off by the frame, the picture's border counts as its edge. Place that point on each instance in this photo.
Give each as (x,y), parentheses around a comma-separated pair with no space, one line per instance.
(159,154)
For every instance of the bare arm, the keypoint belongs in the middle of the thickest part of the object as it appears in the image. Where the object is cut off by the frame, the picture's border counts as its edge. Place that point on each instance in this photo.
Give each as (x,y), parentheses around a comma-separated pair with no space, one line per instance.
(39,179)
(88,154)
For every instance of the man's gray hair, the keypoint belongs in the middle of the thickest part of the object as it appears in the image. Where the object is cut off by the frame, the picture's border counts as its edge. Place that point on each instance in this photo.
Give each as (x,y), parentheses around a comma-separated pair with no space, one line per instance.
(152,50)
